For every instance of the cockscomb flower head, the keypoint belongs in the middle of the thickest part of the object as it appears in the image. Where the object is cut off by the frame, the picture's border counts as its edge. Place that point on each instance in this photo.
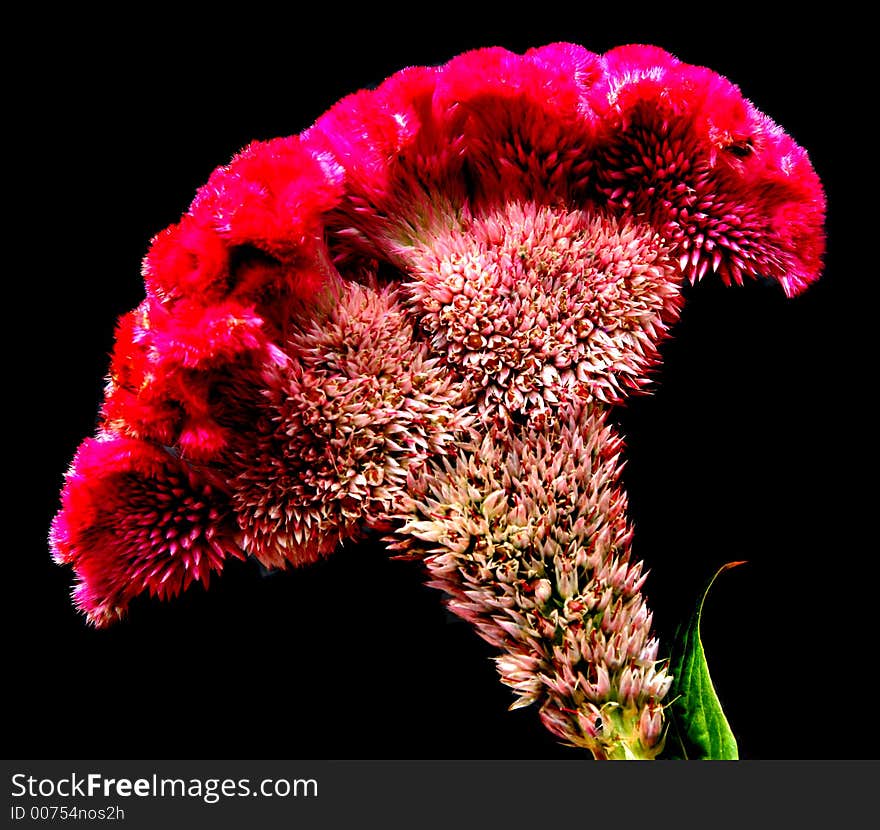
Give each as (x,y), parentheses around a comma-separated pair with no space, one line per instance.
(414,319)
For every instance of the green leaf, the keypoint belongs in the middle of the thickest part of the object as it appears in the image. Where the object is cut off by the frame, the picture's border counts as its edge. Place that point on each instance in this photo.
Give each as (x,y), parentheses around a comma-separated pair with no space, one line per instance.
(698,728)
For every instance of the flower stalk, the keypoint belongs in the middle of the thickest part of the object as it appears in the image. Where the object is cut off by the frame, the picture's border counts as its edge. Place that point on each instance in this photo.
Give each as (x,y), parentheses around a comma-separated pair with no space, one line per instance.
(526,533)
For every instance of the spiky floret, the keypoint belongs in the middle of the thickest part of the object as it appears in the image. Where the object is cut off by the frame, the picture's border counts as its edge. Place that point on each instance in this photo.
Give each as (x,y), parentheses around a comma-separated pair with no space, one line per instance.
(136,519)
(357,407)
(537,307)
(526,533)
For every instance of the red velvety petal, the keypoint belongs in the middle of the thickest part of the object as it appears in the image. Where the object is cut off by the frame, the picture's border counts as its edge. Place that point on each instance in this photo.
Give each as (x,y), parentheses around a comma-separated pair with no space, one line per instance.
(364,131)
(187,259)
(134,404)
(167,368)
(197,336)
(399,159)
(272,196)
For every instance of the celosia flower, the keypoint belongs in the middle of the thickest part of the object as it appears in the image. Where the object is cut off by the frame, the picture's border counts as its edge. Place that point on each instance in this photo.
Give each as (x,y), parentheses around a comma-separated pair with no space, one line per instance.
(414,319)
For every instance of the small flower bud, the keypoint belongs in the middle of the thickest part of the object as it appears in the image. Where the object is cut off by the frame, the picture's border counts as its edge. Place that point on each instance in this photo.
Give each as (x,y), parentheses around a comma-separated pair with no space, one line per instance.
(650,724)
(566,577)
(543,591)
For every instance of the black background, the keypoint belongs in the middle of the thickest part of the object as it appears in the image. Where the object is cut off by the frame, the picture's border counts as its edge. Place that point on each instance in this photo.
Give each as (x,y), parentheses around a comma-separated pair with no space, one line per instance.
(749,449)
